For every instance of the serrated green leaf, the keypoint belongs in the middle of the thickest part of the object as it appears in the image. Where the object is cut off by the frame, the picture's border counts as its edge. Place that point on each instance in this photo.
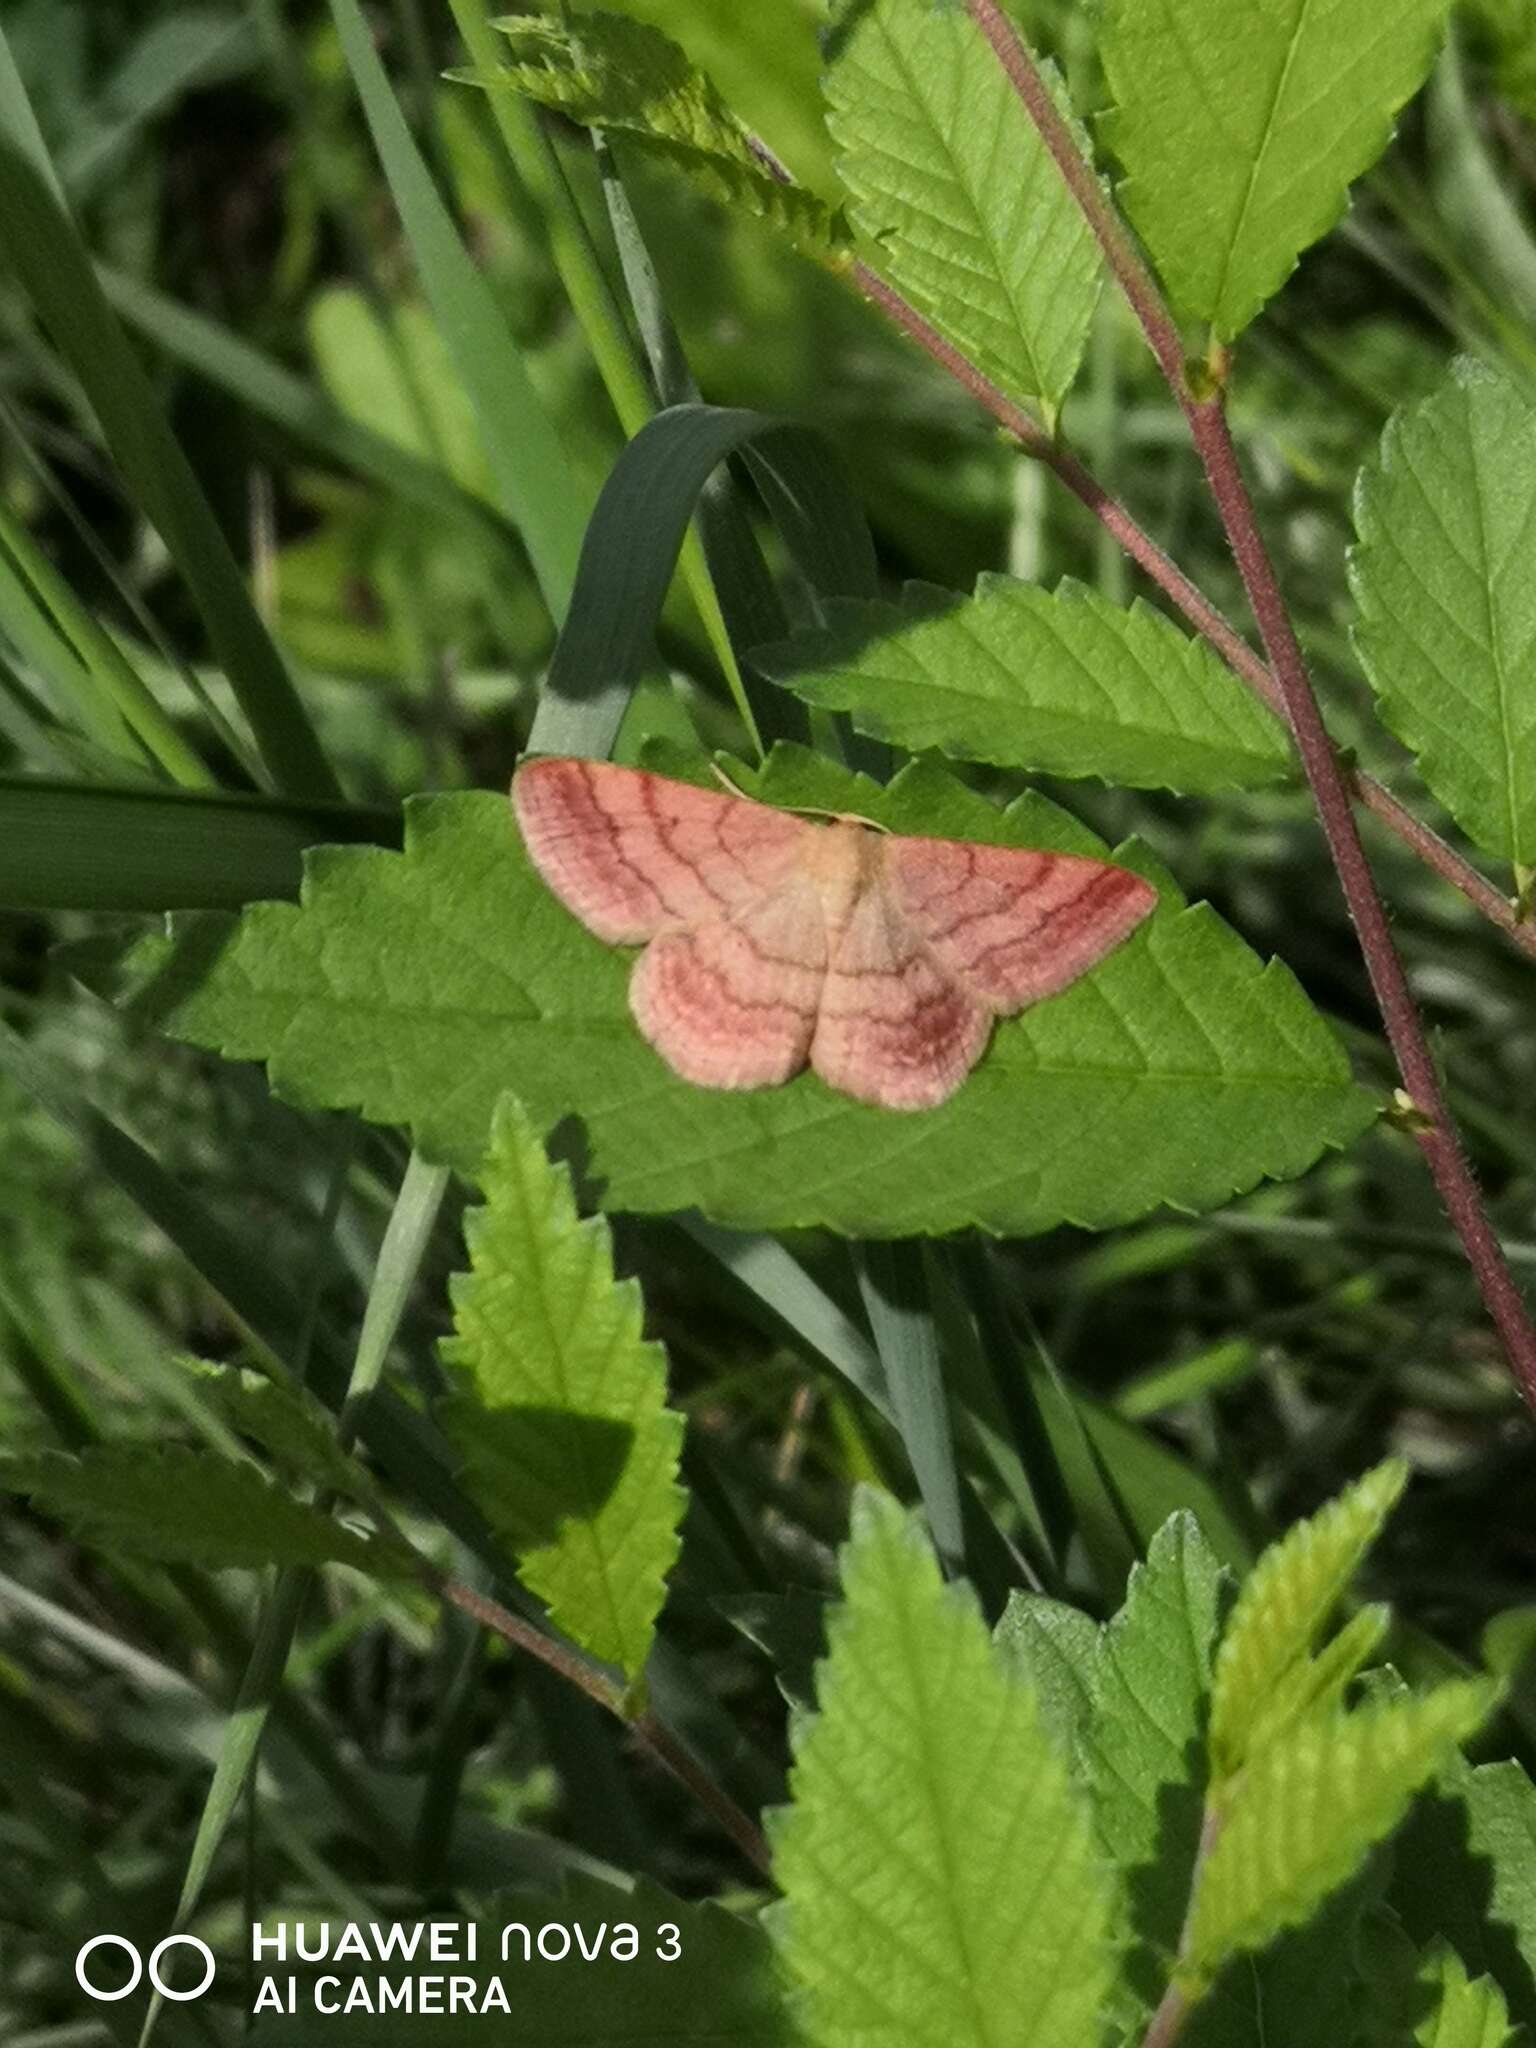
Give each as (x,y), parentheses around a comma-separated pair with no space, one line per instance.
(1309,1806)
(560,1409)
(414,987)
(609,71)
(289,1424)
(1443,576)
(1466,1871)
(1143,1752)
(722,1986)
(950,177)
(1283,1604)
(1466,2012)
(1055,1650)
(186,1507)
(1060,682)
(1241,129)
(938,1868)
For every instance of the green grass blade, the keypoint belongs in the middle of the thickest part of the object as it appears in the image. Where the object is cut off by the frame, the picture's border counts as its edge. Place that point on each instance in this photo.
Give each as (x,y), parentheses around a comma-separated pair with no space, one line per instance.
(19,122)
(104,660)
(43,648)
(535,163)
(73,846)
(532,471)
(45,252)
(631,549)
(409,1451)
(891,1280)
(300,408)
(400,1255)
(169,58)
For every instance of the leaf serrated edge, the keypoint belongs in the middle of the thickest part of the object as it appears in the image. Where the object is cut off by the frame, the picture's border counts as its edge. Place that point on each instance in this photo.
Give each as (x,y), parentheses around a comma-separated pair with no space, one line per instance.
(1284,1602)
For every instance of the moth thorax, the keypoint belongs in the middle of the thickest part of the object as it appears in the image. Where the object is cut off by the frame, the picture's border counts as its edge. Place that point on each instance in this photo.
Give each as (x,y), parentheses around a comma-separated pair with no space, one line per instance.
(839,860)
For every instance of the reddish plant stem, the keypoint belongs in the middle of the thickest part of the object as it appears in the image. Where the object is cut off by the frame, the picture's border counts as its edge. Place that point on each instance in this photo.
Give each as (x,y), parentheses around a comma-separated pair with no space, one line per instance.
(1436,1134)
(663,1745)
(1120,252)
(1177,2001)
(1189,599)
(1168,2022)
(1439,1142)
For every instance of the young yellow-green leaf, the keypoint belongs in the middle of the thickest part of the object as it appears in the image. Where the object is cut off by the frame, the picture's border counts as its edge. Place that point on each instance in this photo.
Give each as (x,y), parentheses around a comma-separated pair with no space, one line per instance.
(1059,682)
(1240,129)
(1284,1602)
(1445,578)
(186,1507)
(415,987)
(1143,1751)
(1465,2012)
(1307,1809)
(289,1424)
(608,71)
(950,177)
(560,1408)
(938,1868)
(1317,1684)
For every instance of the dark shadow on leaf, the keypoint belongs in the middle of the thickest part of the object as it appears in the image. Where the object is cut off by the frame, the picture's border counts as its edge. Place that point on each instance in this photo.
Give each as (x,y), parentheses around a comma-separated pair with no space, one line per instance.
(1157,1891)
(569,1144)
(174,969)
(531,1469)
(838,32)
(850,626)
(1443,1887)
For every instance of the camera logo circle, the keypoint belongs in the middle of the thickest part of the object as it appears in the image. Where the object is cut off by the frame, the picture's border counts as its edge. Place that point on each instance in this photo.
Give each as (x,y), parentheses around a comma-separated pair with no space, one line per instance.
(126,1990)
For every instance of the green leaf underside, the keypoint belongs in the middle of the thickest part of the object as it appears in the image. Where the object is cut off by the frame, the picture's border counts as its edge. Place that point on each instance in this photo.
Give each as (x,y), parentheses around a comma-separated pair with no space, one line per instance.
(1055,1650)
(1059,682)
(1467,2012)
(1445,579)
(724,1990)
(560,1411)
(1285,1601)
(608,71)
(938,1869)
(417,987)
(1144,1750)
(1241,128)
(950,177)
(1310,1805)
(186,1507)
